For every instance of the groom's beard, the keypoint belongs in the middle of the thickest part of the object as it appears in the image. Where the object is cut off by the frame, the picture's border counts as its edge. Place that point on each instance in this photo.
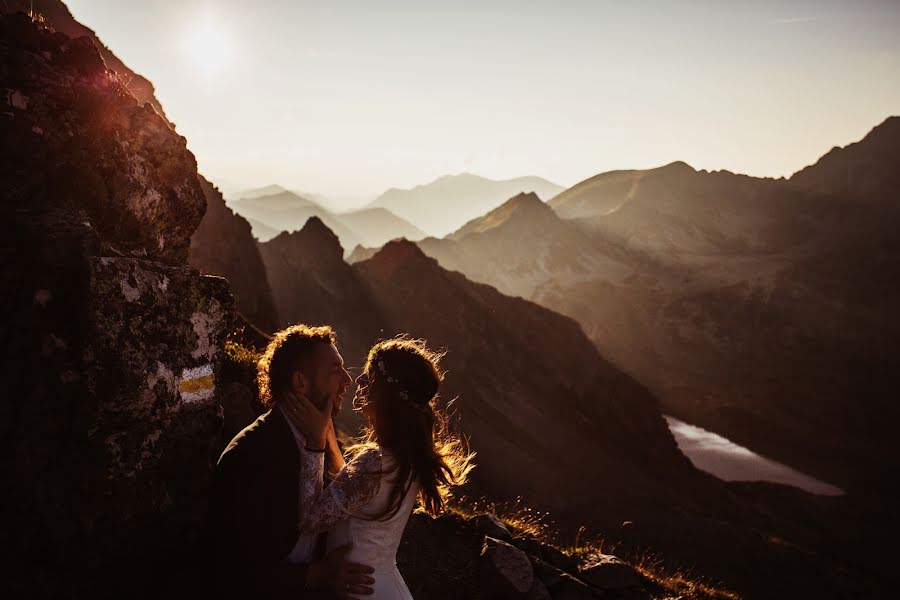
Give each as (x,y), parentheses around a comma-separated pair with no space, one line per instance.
(320,399)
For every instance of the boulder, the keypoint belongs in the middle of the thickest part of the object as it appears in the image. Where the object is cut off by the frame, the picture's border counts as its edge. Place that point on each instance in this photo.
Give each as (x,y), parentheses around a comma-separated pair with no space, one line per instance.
(538,591)
(506,570)
(490,525)
(549,554)
(605,571)
(561,585)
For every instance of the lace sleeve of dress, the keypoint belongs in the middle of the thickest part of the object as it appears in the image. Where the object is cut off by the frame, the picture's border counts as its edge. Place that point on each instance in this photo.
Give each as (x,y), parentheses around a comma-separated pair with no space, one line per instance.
(311,466)
(356,484)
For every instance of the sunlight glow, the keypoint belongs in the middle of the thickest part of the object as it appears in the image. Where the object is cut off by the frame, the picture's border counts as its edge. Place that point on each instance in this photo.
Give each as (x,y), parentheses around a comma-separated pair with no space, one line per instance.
(208,46)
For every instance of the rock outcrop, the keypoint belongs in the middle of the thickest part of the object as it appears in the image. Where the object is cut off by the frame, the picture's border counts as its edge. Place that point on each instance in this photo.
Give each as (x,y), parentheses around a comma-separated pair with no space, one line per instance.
(75,137)
(112,344)
(56,15)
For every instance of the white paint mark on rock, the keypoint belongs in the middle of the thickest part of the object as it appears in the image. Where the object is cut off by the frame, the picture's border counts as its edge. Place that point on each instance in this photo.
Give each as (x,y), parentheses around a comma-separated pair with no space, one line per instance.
(131,293)
(197,383)
(164,374)
(205,326)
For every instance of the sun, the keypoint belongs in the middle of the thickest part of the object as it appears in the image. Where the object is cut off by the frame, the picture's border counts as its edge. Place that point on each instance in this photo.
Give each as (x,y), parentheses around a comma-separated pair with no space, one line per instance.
(208,46)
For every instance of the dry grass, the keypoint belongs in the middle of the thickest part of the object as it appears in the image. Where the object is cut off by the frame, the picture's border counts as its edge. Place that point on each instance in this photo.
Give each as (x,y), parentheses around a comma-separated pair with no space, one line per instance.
(521,520)
(672,583)
(680,583)
(241,355)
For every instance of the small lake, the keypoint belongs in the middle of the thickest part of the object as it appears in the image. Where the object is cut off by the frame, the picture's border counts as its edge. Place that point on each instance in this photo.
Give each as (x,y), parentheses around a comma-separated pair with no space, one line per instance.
(726,460)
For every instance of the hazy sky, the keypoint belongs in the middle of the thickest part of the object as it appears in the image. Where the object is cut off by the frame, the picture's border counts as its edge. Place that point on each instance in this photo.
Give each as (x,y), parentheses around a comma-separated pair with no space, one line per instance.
(347,98)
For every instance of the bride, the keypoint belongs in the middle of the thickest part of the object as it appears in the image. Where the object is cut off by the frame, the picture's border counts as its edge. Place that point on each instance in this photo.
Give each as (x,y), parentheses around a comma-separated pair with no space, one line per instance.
(406,453)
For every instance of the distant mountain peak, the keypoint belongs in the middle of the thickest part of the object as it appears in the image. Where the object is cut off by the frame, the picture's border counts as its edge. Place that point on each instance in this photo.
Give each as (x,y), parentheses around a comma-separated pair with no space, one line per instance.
(678,166)
(398,253)
(525,206)
(447,203)
(525,199)
(315,228)
(314,239)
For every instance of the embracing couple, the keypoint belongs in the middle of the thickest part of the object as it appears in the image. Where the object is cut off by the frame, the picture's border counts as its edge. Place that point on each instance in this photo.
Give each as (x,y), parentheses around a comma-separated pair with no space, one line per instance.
(290,515)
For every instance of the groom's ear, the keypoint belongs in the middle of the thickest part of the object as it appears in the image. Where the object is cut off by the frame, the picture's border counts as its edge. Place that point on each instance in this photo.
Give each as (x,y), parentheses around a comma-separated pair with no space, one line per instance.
(299,382)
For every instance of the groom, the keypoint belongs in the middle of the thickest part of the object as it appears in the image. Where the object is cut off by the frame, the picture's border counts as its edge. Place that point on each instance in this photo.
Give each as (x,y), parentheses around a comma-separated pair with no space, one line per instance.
(254,511)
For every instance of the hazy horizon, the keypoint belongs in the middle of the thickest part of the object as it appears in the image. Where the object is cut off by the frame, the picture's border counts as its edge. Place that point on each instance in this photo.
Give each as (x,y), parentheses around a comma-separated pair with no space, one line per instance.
(349,99)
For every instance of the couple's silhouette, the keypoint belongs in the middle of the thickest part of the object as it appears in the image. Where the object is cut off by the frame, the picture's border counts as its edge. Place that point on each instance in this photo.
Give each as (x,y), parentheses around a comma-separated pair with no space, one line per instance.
(290,516)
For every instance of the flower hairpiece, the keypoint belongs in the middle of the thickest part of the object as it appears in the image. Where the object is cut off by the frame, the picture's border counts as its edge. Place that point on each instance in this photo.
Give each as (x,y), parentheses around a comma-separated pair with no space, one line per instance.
(384,372)
(404,395)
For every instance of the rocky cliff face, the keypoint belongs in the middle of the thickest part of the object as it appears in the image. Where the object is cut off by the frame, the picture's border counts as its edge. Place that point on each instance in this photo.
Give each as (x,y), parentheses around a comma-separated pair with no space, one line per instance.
(74,137)
(112,344)
(223,245)
(56,15)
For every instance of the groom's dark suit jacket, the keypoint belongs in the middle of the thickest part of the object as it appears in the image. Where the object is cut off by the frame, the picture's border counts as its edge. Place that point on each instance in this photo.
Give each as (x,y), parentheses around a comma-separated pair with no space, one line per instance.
(253,513)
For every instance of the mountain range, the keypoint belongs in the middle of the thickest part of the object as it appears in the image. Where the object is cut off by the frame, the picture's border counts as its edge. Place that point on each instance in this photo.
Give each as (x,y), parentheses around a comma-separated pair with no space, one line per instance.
(447,203)
(273,209)
(758,308)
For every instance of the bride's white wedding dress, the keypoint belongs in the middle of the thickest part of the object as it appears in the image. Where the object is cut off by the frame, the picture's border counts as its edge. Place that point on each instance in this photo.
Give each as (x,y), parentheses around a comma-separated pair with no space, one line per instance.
(364,487)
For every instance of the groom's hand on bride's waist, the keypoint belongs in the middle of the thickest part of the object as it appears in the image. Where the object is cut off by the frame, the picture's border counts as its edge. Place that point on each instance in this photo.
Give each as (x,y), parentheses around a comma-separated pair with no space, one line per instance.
(338,575)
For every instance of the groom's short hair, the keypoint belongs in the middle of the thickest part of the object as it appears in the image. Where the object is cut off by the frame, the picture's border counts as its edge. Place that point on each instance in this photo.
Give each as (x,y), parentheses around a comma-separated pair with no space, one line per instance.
(289,350)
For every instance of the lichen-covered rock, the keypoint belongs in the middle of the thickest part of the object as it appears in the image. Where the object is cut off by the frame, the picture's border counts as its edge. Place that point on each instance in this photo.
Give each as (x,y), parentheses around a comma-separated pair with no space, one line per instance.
(57,16)
(73,136)
(109,414)
(109,409)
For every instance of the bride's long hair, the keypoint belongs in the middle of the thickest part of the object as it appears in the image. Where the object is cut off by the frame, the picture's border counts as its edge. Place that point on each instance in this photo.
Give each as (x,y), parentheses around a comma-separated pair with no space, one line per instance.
(401,378)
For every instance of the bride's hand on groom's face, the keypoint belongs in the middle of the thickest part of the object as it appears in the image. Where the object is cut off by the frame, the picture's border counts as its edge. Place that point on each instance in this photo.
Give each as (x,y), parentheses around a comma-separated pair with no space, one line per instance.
(334,456)
(311,421)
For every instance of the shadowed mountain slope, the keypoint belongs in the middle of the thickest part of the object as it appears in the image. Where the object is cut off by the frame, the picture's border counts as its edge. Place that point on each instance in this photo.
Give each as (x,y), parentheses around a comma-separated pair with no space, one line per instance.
(865,171)
(223,245)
